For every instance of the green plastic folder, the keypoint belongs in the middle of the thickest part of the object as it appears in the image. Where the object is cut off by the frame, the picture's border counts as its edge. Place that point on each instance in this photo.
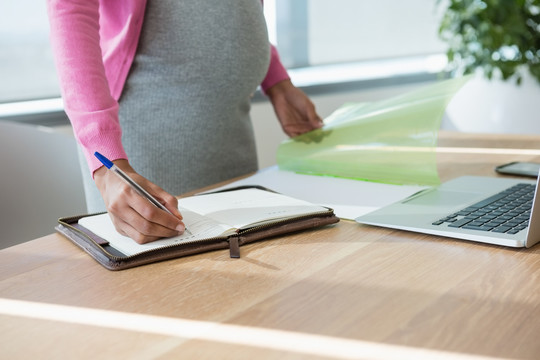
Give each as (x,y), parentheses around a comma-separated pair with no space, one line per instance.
(391,141)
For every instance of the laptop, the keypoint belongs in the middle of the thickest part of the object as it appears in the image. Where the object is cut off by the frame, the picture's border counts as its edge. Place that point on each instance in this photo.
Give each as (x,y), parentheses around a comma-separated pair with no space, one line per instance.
(500,211)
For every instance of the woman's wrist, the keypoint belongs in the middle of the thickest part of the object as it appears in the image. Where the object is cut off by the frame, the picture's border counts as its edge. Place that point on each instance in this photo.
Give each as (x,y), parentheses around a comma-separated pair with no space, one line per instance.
(279,88)
(102,173)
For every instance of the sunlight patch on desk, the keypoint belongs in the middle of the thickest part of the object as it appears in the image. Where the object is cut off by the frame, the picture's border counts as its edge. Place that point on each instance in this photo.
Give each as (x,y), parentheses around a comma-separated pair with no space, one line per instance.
(294,342)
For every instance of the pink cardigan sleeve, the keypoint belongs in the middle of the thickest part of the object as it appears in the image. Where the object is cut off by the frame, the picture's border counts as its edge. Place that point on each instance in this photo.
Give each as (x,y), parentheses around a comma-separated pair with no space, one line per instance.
(276,71)
(92,110)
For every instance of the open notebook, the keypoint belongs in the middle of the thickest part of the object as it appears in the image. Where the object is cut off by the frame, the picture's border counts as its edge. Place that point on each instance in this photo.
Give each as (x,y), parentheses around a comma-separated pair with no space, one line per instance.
(224,219)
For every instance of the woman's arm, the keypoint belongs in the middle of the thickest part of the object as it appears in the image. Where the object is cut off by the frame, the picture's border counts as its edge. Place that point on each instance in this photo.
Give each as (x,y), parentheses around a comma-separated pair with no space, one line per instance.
(93,112)
(276,71)
(295,111)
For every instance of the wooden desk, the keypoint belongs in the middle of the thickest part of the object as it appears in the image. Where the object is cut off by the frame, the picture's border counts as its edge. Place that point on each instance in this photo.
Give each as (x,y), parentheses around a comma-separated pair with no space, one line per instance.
(347,291)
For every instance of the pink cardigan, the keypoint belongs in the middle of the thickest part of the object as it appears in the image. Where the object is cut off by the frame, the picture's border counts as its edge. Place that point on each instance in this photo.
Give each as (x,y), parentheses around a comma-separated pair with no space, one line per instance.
(94,42)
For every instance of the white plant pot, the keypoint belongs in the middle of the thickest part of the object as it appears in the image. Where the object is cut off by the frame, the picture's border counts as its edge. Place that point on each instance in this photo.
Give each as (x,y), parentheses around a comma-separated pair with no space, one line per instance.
(495,106)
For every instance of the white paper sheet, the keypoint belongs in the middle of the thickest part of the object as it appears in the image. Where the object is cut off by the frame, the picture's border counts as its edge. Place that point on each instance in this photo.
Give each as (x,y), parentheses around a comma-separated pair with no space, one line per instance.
(348,198)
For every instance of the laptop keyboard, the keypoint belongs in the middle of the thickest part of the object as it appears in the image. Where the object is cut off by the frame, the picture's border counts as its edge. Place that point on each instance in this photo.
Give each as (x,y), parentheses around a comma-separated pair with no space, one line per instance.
(506,212)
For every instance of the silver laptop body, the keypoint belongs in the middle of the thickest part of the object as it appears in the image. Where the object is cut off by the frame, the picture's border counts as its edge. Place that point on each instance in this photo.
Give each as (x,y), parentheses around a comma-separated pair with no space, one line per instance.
(419,212)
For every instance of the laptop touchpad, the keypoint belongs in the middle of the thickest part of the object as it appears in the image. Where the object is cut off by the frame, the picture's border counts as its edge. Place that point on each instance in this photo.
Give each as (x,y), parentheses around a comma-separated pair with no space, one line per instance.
(442,198)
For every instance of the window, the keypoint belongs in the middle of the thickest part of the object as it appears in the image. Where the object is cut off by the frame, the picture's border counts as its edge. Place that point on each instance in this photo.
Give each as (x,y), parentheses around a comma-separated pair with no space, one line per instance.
(27,69)
(383,37)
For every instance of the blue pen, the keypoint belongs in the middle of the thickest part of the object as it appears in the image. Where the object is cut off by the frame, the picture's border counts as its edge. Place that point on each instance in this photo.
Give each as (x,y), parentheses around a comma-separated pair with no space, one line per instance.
(122,175)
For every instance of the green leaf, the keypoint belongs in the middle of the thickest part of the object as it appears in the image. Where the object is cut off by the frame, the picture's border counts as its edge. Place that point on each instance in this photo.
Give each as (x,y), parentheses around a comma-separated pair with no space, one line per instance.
(496,36)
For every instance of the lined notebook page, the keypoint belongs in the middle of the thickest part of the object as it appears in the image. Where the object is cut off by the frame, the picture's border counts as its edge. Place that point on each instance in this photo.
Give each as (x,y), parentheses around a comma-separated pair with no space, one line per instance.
(248,207)
(210,215)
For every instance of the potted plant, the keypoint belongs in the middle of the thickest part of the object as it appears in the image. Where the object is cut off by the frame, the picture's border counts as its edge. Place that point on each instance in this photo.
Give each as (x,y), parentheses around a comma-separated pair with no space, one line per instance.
(499,41)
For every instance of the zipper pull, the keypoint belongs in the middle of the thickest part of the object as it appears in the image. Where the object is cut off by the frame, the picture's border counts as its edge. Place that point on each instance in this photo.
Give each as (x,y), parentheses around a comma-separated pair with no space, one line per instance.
(234,248)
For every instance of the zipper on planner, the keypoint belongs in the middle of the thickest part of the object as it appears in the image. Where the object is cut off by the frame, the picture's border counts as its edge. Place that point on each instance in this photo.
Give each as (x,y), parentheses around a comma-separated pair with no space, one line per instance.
(234,246)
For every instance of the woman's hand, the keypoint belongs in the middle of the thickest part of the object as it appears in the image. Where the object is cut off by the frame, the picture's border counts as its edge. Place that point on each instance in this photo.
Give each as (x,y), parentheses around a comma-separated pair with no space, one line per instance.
(133,215)
(294,109)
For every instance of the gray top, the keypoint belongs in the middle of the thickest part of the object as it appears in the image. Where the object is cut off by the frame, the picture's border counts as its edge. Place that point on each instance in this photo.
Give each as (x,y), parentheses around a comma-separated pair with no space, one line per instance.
(185,107)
